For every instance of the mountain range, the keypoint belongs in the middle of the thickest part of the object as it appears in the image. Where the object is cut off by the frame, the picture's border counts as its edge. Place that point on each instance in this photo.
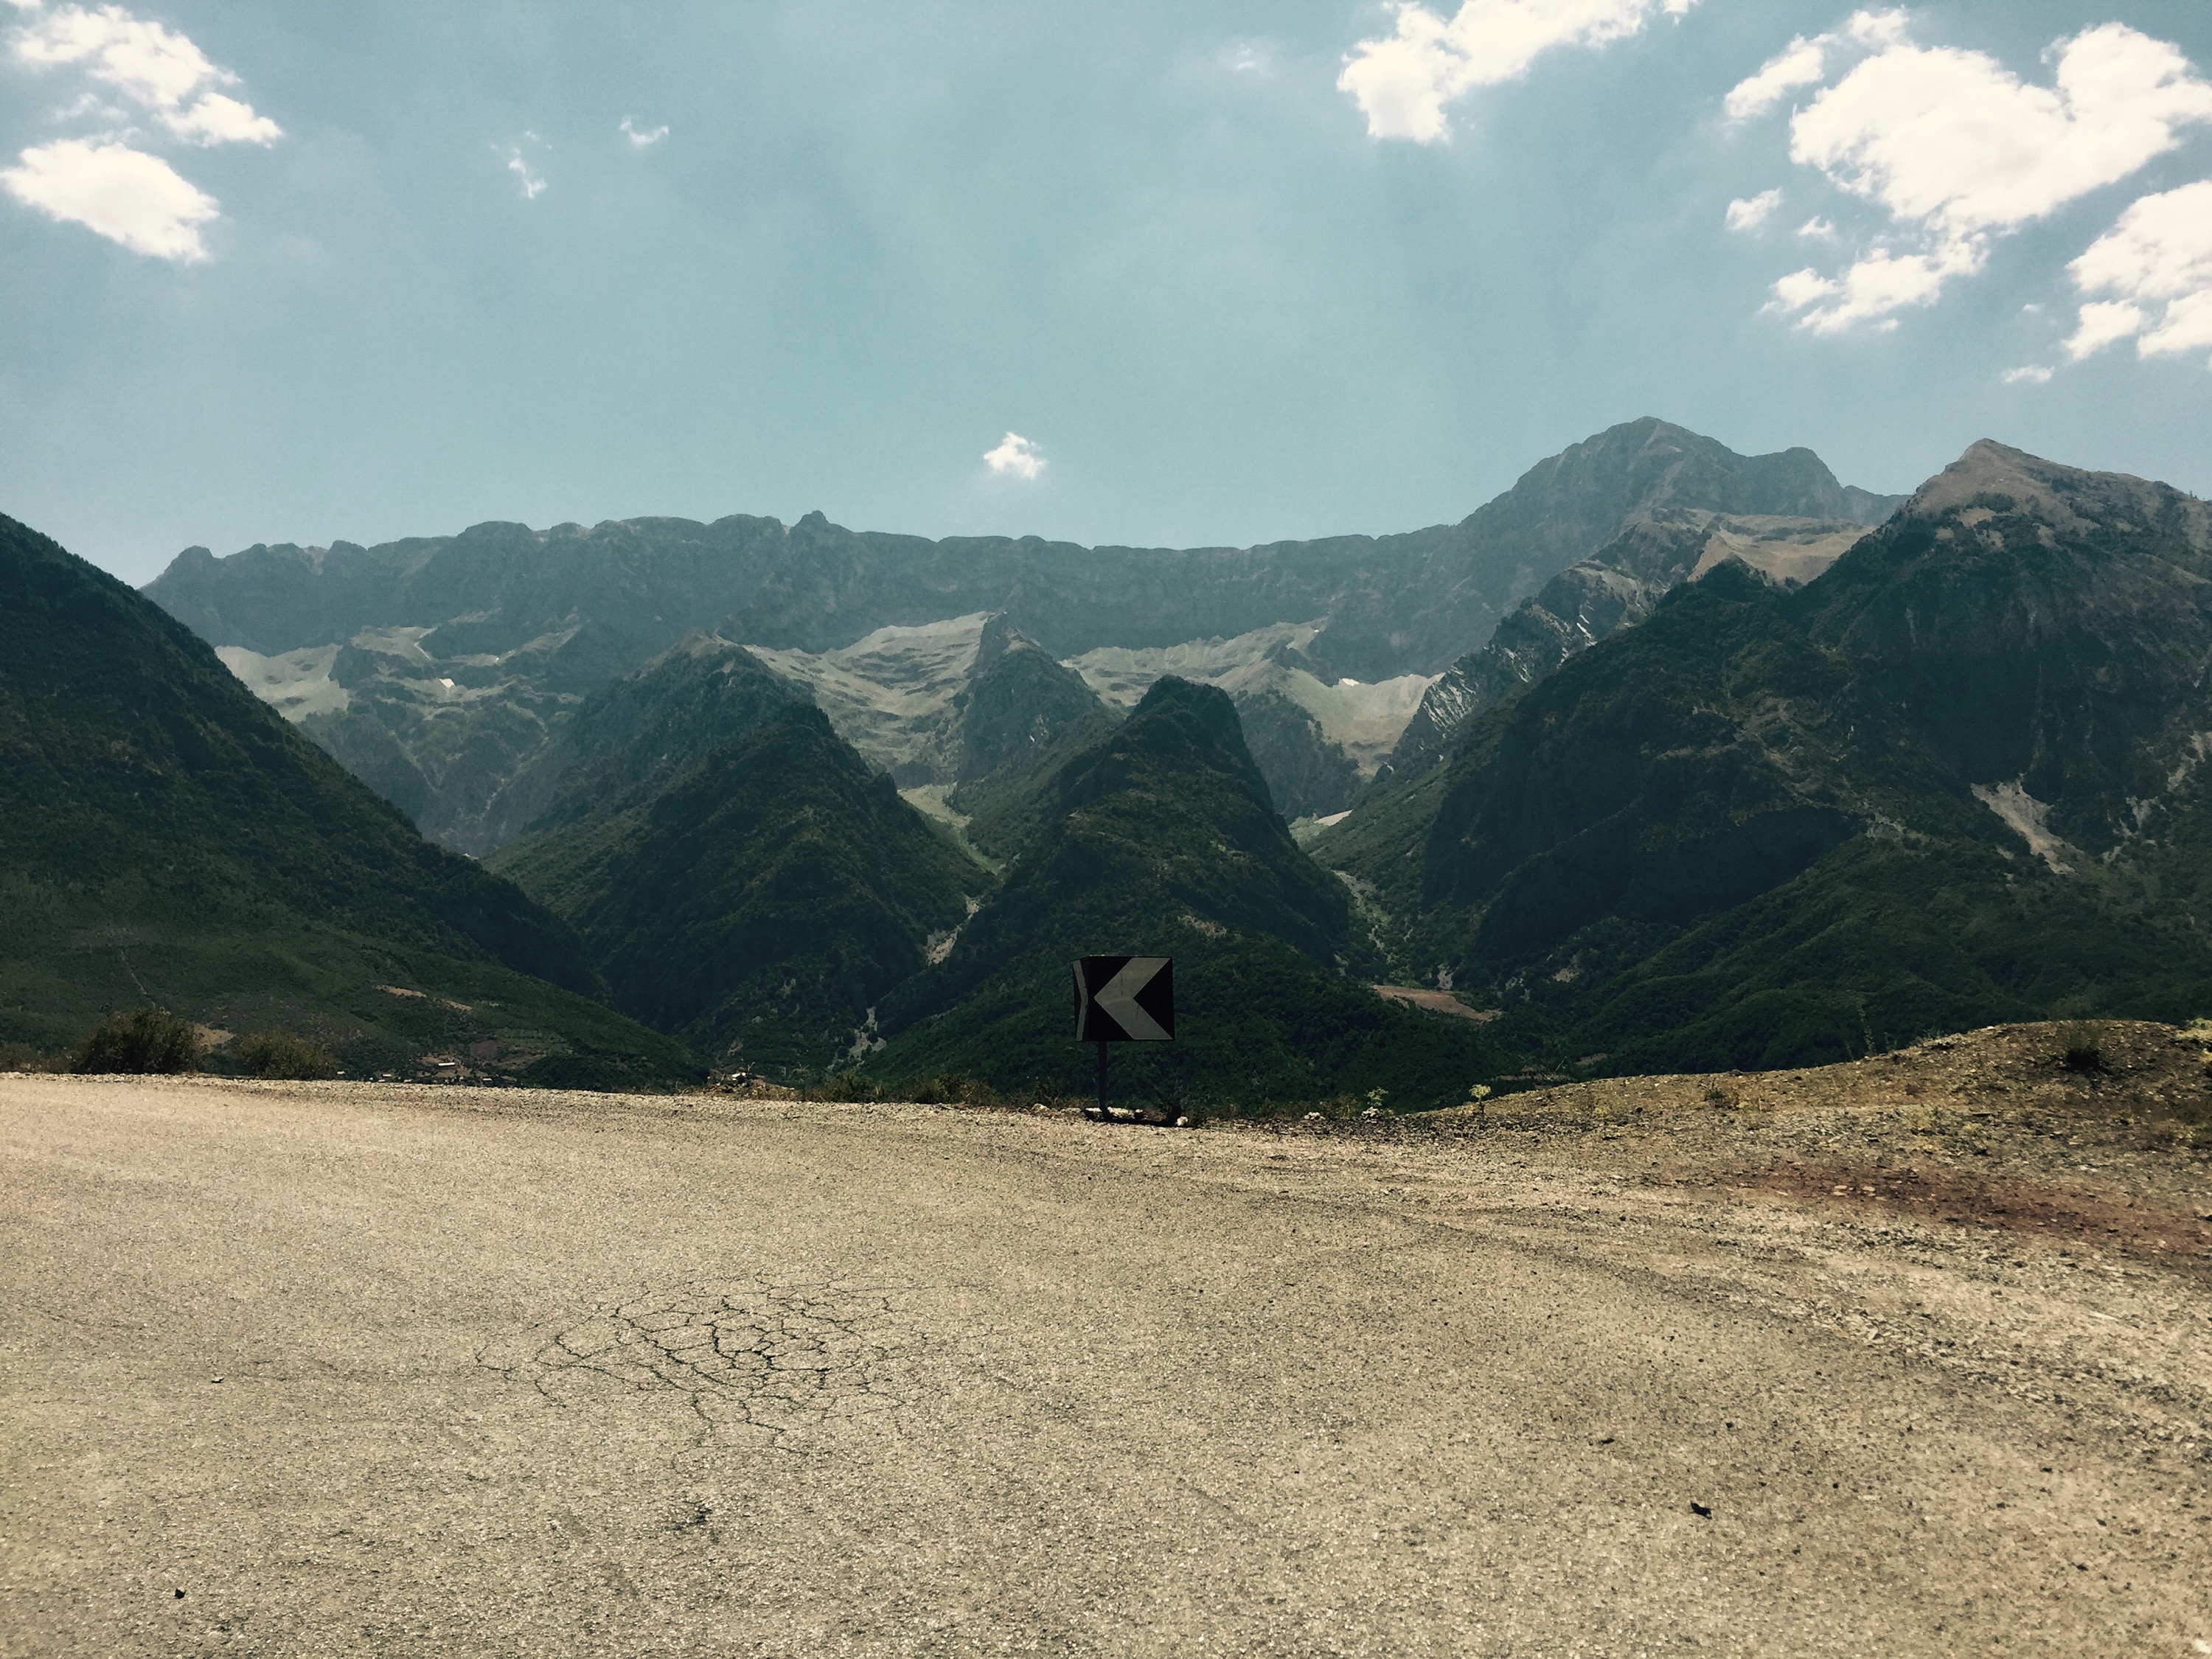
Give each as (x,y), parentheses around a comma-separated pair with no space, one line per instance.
(1957,779)
(1668,758)
(437,668)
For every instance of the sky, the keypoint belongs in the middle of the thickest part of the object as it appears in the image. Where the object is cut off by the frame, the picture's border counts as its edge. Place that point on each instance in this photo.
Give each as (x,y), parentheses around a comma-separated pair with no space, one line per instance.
(1159,274)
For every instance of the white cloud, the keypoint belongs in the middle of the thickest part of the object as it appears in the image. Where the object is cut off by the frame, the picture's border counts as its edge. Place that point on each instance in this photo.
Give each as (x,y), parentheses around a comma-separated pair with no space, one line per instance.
(1878,29)
(2101,324)
(123,194)
(533,185)
(1748,213)
(218,120)
(1015,456)
(1871,289)
(1817,229)
(105,182)
(2027,374)
(1402,80)
(1953,140)
(643,140)
(154,67)
(1804,62)
(1959,150)
(2158,259)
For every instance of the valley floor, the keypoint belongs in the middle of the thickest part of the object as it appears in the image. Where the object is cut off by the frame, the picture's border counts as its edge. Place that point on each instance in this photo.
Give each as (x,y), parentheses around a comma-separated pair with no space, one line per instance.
(1881,1359)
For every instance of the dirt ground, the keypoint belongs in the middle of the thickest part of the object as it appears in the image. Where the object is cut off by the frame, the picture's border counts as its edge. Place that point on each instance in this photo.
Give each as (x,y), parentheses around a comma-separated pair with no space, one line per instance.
(1902,1358)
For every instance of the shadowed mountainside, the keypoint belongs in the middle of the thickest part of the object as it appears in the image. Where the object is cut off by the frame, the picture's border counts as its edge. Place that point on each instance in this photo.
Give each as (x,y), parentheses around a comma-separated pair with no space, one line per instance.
(1956,780)
(1615,587)
(1022,717)
(1675,503)
(1163,840)
(165,835)
(757,893)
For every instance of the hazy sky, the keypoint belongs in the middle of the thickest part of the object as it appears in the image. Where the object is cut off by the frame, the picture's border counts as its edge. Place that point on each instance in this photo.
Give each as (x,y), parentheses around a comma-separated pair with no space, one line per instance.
(1172,273)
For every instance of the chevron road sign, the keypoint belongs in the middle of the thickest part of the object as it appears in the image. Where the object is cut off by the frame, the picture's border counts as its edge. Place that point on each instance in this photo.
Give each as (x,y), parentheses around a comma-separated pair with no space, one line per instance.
(1124,999)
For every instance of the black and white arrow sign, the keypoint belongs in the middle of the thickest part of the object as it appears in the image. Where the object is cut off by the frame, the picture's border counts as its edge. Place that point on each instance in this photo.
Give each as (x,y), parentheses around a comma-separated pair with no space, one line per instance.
(1124,999)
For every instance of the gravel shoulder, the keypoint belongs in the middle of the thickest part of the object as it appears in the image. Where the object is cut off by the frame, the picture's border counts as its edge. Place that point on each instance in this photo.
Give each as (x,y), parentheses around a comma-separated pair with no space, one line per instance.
(1906,1357)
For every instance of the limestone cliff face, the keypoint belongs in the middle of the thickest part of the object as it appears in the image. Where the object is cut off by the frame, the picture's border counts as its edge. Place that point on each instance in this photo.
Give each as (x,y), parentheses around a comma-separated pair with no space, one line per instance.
(1674,505)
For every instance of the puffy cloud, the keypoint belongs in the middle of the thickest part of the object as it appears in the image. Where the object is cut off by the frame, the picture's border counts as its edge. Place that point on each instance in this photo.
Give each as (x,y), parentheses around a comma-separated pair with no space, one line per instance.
(218,120)
(124,194)
(1871,289)
(2027,374)
(1748,213)
(1402,80)
(1953,140)
(2100,325)
(1817,229)
(1015,457)
(645,140)
(154,67)
(1802,62)
(105,183)
(1958,150)
(2158,259)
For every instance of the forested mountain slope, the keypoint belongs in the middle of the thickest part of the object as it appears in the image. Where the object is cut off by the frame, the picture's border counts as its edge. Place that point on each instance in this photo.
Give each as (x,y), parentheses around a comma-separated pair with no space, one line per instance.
(166,836)
(1957,779)
(1162,840)
(736,871)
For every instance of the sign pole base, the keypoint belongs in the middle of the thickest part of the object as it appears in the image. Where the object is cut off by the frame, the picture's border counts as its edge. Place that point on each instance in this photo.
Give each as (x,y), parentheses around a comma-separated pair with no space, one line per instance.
(1102,1083)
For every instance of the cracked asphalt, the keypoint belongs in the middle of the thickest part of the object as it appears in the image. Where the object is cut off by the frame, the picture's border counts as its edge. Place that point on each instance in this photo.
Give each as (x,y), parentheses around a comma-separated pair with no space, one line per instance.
(333,1369)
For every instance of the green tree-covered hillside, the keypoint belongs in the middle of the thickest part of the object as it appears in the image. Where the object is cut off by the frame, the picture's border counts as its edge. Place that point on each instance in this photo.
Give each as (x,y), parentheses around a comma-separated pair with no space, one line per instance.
(165,836)
(1956,780)
(758,897)
(1162,841)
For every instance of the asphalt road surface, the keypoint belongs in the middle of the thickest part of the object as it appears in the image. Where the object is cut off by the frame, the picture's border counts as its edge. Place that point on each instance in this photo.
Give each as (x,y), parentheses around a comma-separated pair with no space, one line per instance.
(328,1369)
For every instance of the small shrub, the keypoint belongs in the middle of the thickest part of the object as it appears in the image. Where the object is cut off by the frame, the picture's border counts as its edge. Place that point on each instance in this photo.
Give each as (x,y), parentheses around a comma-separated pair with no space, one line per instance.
(925,1091)
(2080,1049)
(599,1073)
(974,1092)
(147,1040)
(850,1087)
(1720,1099)
(22,1057)
(281,1055)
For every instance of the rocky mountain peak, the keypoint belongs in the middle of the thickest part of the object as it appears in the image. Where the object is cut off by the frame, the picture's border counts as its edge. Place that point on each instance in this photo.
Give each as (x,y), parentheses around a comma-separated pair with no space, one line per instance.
(1996,479)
